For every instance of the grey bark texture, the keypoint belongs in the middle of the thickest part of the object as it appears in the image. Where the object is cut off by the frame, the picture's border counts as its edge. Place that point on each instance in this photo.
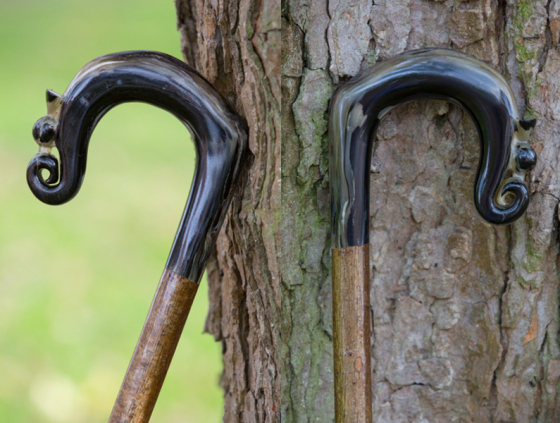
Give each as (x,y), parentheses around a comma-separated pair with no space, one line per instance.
(465,314)
(236,46)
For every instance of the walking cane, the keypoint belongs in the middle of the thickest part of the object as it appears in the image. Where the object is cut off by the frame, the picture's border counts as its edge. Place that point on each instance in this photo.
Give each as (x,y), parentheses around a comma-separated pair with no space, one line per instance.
(500,193)
(221,141)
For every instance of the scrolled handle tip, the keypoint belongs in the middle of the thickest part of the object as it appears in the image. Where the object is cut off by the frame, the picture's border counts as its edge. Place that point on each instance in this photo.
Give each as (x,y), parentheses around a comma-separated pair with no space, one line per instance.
(43,162)
(516,194)
(42,188)
(57,187)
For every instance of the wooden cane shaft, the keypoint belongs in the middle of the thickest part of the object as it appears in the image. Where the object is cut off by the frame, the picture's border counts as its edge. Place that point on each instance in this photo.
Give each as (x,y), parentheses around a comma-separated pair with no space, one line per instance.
(155,349)
(351,331)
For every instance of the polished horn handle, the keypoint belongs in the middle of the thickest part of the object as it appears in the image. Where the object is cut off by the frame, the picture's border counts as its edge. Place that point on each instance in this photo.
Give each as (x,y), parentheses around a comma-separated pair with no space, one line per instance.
(166,82)
(359,105)
(500,194)
(220,137)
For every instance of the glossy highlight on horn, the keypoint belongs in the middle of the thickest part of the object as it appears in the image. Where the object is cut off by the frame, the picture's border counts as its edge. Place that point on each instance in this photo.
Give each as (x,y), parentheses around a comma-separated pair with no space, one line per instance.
(501,195)
(220,137)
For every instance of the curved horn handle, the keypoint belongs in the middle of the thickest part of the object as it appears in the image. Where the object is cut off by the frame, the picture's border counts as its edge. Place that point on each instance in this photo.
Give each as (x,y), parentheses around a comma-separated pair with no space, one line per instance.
(166,82)
(360,104)
(221,145)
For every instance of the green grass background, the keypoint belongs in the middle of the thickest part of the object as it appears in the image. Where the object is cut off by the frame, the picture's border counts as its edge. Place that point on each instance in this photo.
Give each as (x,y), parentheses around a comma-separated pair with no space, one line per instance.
(76,280)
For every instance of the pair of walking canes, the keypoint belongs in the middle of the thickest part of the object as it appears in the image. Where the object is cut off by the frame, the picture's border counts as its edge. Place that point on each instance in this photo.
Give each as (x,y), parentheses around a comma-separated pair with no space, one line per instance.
(501,195)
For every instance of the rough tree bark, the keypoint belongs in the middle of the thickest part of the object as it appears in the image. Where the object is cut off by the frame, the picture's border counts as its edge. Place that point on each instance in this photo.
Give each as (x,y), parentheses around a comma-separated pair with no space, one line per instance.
(465,314)
(236,46)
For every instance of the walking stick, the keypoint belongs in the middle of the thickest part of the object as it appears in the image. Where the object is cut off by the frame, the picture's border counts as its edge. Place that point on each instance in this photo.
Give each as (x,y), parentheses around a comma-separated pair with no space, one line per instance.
(221,141)
(500,193)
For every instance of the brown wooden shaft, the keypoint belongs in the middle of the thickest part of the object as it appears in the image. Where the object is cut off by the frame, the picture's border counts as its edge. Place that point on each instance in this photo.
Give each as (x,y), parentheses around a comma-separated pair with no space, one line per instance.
(351,331)
(155,349)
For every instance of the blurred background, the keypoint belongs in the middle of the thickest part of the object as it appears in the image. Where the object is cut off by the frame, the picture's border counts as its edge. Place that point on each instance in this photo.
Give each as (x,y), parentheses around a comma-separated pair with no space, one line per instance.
(76,280)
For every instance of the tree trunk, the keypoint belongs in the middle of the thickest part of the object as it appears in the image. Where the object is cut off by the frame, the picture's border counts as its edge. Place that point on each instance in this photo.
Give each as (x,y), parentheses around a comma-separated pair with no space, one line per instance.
(236,46)
(465,314)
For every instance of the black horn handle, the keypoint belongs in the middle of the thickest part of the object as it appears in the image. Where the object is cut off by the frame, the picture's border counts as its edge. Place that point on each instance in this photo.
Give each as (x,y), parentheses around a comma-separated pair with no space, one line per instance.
(166,82)
(360,104)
